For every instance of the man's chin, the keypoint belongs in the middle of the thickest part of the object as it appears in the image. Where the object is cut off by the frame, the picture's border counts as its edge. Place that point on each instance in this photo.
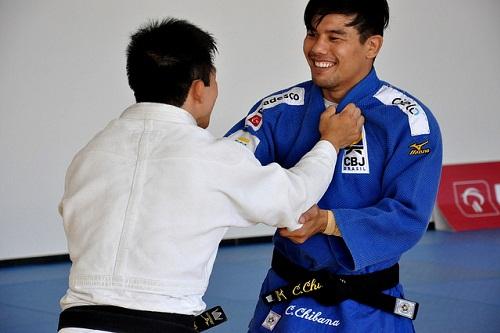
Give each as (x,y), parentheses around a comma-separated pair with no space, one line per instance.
(323,83)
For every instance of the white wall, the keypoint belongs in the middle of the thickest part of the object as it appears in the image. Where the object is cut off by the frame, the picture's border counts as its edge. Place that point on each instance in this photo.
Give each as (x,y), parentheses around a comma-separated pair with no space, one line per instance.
(62,78)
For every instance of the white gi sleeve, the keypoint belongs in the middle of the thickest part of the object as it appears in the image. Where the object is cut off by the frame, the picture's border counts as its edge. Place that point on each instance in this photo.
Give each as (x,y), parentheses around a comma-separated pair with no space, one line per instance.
(273,195)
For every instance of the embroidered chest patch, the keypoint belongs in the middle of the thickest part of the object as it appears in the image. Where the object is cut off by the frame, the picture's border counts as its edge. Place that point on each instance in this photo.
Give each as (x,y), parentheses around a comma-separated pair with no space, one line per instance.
(355,158)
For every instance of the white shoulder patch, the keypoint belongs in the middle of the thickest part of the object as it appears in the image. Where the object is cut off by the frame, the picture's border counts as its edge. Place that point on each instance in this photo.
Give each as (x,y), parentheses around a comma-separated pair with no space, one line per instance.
(246,139)
(294,96)
(417,118)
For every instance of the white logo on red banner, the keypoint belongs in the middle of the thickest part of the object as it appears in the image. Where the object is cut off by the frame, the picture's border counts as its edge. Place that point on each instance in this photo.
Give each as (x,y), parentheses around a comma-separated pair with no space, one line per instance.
(474,199)
(469,197)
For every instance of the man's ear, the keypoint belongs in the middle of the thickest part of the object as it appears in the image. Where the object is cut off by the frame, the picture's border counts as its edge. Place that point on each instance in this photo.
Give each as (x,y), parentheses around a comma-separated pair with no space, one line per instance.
(373,45)
(197,91)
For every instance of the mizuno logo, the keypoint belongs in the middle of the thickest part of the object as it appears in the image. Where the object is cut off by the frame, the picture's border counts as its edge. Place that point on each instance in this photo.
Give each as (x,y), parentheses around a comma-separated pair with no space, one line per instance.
(418,148)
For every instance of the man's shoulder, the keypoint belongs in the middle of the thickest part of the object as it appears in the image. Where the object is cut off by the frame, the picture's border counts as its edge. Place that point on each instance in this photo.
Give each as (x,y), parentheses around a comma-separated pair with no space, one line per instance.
(273,106)
(392,95)
(403,108)
(293,95)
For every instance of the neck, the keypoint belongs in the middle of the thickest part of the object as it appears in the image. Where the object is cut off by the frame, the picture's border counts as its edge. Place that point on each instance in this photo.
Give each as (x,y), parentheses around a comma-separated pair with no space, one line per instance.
(334,95)
(337,93)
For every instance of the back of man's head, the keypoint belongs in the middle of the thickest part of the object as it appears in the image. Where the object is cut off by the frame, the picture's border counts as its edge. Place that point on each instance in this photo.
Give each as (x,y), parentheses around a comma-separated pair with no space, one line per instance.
(165,57)
(371,17)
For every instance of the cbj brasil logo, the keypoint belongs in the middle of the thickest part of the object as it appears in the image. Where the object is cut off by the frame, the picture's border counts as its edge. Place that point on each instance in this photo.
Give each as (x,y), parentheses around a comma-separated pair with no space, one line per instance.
(354,155)
(355,158)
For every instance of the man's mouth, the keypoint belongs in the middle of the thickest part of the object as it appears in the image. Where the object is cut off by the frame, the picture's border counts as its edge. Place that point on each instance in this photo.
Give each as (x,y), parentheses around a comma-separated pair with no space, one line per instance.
(323,64)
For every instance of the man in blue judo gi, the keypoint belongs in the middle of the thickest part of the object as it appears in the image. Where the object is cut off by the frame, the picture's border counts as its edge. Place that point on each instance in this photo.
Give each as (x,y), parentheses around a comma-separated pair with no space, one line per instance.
(340,273)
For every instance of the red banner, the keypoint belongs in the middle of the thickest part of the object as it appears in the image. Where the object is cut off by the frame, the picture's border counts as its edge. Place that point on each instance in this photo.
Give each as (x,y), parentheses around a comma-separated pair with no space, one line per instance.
(469,196)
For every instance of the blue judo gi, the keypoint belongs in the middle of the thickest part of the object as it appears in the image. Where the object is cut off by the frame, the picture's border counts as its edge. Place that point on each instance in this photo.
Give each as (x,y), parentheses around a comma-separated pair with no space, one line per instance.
(382,196)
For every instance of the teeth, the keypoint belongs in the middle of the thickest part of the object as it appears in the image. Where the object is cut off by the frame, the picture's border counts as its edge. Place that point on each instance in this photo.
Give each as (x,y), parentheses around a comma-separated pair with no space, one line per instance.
(323,64)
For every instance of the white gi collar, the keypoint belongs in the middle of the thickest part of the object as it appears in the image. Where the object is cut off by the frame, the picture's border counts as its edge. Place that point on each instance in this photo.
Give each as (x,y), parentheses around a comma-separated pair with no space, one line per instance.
(158,111)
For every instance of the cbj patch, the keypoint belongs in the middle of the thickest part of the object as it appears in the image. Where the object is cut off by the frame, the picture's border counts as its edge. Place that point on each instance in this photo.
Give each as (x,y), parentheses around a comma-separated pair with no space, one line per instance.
(355,159)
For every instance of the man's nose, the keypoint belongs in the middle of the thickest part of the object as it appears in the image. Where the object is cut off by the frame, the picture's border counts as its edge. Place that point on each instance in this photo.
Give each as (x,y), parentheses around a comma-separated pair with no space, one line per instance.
(319,46)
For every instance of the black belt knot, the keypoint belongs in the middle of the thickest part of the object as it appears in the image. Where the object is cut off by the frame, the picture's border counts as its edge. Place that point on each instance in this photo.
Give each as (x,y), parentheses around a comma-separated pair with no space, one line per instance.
(330,289)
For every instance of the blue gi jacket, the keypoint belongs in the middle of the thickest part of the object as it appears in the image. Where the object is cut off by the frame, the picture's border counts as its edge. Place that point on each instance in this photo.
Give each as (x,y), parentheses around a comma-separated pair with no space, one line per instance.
(382,195)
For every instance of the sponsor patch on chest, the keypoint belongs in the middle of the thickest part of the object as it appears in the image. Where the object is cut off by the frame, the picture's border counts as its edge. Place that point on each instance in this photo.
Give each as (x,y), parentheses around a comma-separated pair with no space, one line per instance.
(355,158)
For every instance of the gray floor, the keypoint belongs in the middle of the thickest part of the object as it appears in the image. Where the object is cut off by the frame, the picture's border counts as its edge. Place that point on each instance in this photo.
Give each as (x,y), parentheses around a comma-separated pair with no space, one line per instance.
(454,276)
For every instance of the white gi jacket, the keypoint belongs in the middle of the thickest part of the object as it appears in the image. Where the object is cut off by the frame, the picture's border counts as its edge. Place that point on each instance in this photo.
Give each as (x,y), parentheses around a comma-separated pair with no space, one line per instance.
(149,198)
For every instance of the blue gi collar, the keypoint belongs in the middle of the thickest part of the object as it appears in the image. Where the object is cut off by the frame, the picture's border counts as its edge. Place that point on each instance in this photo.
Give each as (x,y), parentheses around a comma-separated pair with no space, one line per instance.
(368,86)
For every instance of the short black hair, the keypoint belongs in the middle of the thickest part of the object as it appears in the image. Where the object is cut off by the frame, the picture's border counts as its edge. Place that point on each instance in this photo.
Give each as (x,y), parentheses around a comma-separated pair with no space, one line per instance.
(371,17)
(165,57)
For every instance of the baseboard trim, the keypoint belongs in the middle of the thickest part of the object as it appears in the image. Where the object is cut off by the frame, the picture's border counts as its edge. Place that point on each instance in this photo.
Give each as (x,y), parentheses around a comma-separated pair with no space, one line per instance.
(244,241)
(35,260)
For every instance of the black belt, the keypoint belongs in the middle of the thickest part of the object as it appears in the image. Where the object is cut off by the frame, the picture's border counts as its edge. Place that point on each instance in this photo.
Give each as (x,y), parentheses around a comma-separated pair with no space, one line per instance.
(117,319)
(331,289)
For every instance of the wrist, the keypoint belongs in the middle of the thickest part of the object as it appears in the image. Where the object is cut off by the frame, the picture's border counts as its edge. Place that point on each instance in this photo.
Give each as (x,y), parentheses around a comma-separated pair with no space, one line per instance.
(334,143)
(331,225)
(324,220)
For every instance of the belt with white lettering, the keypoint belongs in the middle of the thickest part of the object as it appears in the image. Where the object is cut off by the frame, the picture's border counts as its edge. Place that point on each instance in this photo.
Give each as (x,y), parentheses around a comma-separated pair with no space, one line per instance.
(331,289)
(118,319)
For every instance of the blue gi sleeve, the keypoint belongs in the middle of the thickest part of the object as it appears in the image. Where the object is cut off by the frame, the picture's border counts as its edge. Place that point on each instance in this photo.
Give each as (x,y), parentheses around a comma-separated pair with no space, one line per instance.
(410,181)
